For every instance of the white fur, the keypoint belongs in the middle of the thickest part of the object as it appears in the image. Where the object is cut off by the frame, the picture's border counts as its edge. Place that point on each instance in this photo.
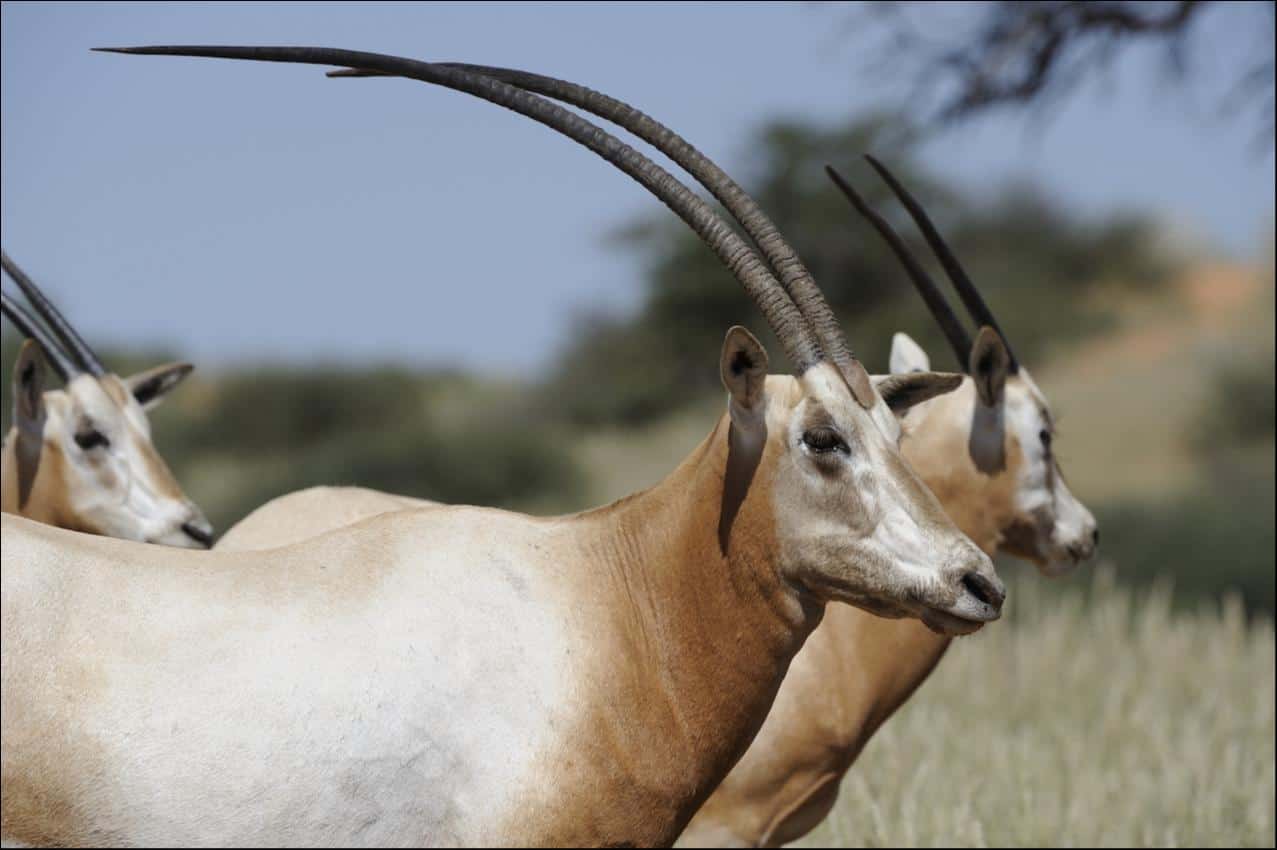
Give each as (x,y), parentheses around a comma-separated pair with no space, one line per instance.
(907,355)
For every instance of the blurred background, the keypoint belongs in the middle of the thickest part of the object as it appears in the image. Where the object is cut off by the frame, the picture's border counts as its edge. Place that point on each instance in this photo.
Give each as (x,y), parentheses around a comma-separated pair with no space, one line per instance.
(398,286)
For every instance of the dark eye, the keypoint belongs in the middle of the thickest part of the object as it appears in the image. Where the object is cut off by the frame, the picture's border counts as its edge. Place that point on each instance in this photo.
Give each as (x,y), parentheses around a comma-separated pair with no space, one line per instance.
(1045,436)
(91,439)
(823,441)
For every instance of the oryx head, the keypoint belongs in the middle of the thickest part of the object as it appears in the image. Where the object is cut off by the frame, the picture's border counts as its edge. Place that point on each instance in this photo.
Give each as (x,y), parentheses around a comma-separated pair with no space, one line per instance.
(996,432)
(851,519)
(82,456)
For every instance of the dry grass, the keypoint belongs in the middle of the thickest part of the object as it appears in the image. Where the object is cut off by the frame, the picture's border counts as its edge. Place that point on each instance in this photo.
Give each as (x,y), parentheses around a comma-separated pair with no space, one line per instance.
(1113,722)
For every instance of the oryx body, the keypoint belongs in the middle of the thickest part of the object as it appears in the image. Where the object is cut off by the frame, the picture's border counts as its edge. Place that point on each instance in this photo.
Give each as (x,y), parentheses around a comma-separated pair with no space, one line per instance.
(461,675)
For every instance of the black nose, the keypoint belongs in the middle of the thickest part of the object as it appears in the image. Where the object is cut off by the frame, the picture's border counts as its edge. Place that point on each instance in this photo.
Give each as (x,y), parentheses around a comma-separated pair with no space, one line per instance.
(1095,537)
(984,590)
(204,537)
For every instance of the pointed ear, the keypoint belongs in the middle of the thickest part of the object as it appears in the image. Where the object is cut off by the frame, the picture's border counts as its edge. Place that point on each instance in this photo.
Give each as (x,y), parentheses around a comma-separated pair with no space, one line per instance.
(28,384)
(902,392)
(989,365)
(907,355)
(150,387)
(28,416)
(743,366)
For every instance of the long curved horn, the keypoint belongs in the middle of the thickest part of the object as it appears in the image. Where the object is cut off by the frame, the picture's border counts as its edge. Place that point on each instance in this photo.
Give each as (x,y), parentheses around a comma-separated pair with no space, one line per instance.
(767,293)
(967,291)
(948,321)
(76,347)
(29,327)
(781,256)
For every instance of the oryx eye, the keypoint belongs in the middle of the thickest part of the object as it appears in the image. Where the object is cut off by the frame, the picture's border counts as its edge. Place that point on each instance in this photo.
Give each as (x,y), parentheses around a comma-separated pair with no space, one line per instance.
(1045,436)
(823,441)
(91,439)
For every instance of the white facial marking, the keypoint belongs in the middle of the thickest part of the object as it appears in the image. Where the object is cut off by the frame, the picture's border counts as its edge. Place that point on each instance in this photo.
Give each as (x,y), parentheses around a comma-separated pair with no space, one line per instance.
(1066,529)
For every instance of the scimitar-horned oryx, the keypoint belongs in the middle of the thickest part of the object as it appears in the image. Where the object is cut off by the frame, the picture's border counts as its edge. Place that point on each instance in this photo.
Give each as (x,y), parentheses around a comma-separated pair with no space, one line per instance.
(81,457)
(464,675)
(987,451)
(303,514)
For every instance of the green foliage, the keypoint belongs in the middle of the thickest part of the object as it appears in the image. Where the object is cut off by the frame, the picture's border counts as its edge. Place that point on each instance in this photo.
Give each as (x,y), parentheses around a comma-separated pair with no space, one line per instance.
(1213,541)
(1242,409)
(1030,257)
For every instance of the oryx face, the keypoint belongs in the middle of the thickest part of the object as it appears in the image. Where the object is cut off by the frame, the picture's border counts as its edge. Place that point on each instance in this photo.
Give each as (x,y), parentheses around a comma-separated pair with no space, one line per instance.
(991,443)
(853,521)
(1051,527)
(81,457)
(95,468)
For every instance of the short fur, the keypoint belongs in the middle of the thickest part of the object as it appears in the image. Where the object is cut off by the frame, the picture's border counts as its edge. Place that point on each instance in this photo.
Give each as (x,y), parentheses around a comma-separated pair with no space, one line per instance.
(456,675)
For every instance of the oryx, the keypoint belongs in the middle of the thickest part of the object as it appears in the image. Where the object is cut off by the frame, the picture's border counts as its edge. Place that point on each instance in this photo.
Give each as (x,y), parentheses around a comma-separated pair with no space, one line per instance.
(81,457)
(464,675)
(987,451)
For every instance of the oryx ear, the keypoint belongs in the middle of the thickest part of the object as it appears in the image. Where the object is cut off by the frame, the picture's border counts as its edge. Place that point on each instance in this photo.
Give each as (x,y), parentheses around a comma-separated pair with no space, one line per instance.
(28,384)
(907,355)
(743,366)
(28,416)
(150,387)
(988,365)
(902,392)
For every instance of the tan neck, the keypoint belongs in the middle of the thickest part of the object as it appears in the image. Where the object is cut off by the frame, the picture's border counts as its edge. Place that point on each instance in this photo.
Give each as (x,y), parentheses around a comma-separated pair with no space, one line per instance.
(706,633)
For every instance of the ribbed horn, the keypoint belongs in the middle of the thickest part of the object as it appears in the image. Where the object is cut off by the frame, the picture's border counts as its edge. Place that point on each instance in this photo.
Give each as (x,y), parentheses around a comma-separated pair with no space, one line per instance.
(948,321)
(75,345)
(30,328)
(780,311)
(967,291)
(781,256)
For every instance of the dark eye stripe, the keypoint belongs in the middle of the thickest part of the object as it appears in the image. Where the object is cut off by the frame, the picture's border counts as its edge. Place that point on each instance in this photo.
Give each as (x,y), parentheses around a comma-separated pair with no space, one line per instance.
(88,440)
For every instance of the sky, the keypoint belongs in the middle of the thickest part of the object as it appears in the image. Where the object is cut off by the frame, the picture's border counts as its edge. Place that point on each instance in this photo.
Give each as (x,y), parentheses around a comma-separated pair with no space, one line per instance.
(239,211)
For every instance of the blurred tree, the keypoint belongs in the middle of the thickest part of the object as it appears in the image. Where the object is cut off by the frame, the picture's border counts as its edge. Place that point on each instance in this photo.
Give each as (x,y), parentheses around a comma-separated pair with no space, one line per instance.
(1030,257)
(1023,53)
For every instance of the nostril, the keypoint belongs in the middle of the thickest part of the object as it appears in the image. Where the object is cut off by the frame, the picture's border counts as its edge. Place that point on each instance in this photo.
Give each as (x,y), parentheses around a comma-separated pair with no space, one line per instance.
(203,536)
(1095,537)
(983,589)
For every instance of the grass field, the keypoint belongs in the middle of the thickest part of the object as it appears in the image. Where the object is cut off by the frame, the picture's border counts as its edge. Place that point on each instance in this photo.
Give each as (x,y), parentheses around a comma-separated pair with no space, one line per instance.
(1086,719)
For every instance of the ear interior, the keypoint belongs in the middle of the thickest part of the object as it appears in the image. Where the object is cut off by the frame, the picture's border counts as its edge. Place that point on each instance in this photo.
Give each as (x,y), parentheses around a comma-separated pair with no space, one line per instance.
(29,416)
(907,355)
(989,365)
(150,387)
(28,383)
(743,367)
(902,392)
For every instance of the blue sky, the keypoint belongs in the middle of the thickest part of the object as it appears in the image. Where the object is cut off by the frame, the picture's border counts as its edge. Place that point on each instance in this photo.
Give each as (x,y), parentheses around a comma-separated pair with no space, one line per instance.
(238,210)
